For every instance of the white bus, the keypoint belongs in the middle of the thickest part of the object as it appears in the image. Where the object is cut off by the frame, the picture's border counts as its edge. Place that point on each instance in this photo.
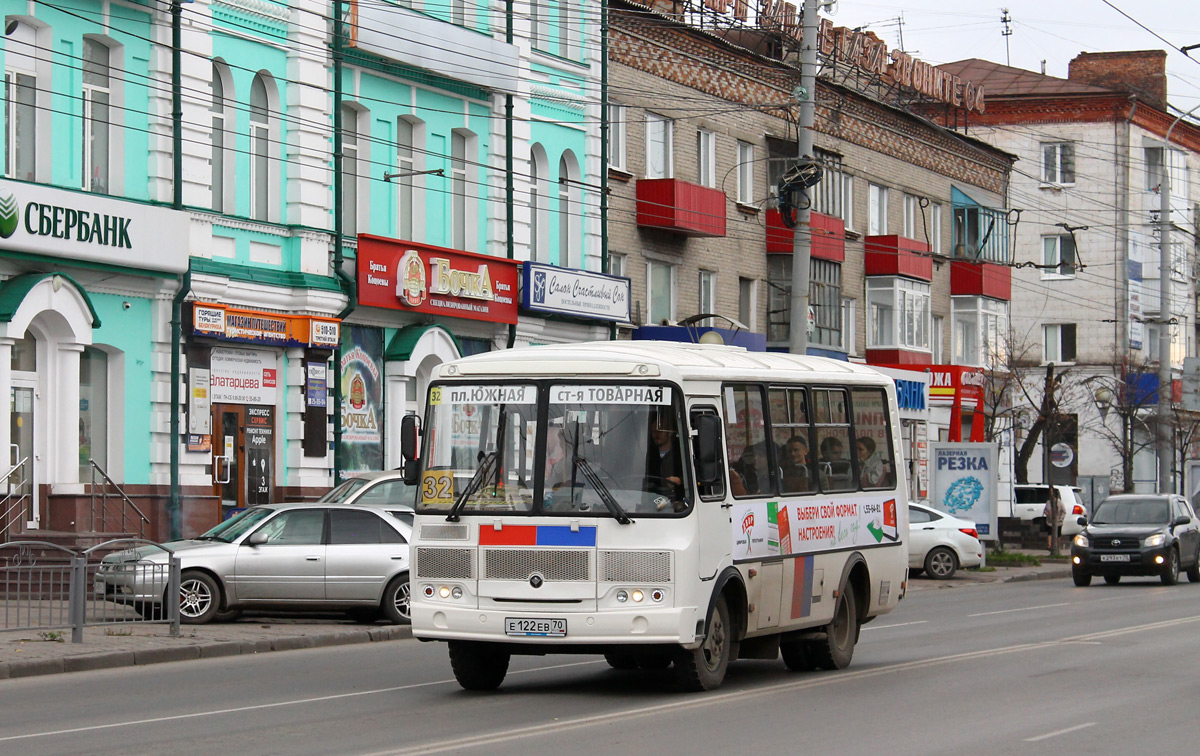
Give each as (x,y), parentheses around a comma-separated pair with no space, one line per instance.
(655,503)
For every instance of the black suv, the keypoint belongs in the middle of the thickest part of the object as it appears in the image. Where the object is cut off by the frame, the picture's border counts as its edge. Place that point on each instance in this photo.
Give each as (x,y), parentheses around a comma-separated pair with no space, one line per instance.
(1138,534)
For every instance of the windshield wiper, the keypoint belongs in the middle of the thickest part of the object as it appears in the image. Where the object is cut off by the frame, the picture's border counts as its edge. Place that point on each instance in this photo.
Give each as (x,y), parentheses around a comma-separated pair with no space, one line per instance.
(473,485)
(606,496)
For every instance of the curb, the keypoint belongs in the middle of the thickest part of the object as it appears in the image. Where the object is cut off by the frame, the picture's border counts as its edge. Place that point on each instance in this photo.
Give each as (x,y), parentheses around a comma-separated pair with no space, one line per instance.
(1050,574)
(114,659)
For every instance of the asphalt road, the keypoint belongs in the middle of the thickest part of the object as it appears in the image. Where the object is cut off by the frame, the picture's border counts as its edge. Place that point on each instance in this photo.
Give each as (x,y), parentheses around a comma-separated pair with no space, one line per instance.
(1014,668)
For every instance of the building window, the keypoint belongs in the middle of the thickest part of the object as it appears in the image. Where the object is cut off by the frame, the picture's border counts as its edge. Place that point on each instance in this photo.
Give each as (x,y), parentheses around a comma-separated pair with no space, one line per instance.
(898,313)
(349,170)
(660,292)
(260,151)
(747,302)
(707,294)
(936,336)
(616,136)
(458,12)
(538,24)
(458,190)
(1154,171)
(1058,256)
(1059,343)
(97,96)
(935,228)
(1058,163)
(745,173)
(979,233)
(568,30)
(824,301)
(617,263)
(980,328)
(20,103)
(570,254)
(218,160)
(405,166)
(877,210)
(658,147)
(912,210)
(539,201)
(706,158)
(828,197)
(848,309)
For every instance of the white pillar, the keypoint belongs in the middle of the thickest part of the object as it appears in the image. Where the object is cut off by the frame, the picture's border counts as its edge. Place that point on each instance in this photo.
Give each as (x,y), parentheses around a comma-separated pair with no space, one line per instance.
(6,346)
(396,401)
(63,409)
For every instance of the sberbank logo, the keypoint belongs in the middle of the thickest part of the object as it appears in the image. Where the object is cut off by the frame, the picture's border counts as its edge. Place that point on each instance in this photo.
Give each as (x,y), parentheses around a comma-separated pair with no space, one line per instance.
(10,216)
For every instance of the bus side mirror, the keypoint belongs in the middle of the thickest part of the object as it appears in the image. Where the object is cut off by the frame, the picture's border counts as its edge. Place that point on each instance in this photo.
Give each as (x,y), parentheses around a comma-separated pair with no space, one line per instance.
(708,449)
(410,431)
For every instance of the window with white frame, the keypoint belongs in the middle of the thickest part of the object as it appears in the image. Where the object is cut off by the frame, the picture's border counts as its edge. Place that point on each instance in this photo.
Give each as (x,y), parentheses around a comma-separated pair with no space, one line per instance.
(658,146)
(745,173)
(912,209)
(458,12)
(97,97)
(568,25)
(824,300)
(828,197)
(980,331)
(537,250)
(1058,163)
(1058,256)
(219,162)
(1154,167)
(706,158)
(260,150)
(898,313)
(1059,343)
(570,254)
(935,228)
(877,210)
(616,136)
(617,264)
(936,336)
(539,23)
(458,190)
(707,293)
(20,103)
(660,292)
(747,302)
(848,309)
(349,170)
(406,166)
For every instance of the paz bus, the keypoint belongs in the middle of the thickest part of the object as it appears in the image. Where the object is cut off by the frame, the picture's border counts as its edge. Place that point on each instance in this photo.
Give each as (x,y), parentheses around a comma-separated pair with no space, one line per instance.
(663,504)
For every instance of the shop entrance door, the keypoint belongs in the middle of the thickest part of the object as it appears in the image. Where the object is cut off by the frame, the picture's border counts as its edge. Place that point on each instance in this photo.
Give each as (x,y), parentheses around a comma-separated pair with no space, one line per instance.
(21,483)
(243,451)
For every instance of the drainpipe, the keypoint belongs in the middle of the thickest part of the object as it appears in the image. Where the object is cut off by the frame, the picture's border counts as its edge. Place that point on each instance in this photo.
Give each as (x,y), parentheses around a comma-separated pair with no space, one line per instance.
(175,504)
(604,127)
(346,282)
(509,235)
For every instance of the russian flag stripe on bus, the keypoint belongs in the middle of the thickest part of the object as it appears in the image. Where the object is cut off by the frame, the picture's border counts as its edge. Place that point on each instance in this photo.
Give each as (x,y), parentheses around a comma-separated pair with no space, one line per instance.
(536,535)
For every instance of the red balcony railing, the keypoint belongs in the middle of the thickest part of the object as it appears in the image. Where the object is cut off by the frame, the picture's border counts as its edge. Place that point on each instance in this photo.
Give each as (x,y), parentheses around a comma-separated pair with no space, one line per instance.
(680,207)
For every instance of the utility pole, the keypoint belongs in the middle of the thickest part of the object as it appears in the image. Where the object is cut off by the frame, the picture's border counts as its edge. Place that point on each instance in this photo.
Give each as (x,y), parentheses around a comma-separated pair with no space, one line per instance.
(1006,32)
(802,239)
(1166,480)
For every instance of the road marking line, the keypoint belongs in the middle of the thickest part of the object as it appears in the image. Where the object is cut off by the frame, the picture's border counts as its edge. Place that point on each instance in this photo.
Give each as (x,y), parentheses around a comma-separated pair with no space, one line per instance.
(898,624)
(1056,733)
(1024,609)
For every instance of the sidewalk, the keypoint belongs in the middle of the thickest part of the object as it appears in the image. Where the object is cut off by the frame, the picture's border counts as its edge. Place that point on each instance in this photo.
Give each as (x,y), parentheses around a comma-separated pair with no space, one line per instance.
(29,653)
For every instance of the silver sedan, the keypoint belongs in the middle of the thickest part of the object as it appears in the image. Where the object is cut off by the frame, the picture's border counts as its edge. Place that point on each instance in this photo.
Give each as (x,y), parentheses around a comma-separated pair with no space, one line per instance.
(296,557)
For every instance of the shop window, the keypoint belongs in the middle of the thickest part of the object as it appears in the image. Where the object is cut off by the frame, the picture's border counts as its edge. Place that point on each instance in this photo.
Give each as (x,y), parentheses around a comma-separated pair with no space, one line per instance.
(93,411)
(20,103)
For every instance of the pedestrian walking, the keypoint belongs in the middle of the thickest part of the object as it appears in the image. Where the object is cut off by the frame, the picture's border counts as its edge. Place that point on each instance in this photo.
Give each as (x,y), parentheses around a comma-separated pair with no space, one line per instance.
(1054,512)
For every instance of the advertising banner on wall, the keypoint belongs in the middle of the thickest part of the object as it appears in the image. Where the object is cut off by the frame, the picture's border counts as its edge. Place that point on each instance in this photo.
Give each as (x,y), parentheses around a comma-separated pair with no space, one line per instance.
(361,376)
(260,454)
(964,483)
(243,376)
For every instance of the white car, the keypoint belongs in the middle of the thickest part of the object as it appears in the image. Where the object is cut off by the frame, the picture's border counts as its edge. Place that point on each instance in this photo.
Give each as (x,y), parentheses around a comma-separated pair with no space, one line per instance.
(938,543)
(1029,501)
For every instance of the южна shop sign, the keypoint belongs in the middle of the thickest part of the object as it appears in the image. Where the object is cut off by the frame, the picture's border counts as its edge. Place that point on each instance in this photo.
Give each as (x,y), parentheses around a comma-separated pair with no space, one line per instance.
(401,275)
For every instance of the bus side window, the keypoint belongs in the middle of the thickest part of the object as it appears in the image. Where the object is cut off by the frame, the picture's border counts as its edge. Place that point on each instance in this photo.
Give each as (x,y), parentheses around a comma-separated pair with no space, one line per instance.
(711,491)
(746,441)
(873,439)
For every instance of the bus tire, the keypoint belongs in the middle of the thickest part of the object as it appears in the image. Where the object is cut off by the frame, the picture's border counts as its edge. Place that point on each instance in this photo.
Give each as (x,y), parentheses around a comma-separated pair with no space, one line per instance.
(703,668)
(797,657)
(837,648)
(478,666)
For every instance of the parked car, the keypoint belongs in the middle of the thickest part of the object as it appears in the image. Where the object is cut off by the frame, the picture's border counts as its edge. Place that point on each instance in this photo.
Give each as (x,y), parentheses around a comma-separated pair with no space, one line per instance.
(1029,501)
(297,557)
(1138,534)
(384,488)
(938,543)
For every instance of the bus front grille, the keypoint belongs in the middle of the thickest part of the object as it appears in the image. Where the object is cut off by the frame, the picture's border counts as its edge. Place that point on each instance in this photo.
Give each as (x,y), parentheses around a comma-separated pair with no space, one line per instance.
(520,564)
(444,564)
(635,566)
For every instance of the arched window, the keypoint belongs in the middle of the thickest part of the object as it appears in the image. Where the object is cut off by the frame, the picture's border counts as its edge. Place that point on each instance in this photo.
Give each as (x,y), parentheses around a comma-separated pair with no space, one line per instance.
(220,162)
(97,98)
(352,168)
(570,246)
(539,211)
(20,103)
(260,150)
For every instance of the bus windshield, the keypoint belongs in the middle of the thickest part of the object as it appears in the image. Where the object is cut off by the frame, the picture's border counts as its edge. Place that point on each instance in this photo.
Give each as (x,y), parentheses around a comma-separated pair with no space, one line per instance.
(608,450)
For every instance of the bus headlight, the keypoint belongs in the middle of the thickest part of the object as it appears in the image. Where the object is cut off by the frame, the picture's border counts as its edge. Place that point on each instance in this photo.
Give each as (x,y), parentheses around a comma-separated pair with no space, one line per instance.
(456,592)
(622,596)
(444,591)
(638,596)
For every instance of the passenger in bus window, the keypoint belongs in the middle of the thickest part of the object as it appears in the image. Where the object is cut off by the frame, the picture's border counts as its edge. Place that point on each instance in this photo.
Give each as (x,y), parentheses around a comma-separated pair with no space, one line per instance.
(795,466)
(835,468)
(874,472)
(664,460)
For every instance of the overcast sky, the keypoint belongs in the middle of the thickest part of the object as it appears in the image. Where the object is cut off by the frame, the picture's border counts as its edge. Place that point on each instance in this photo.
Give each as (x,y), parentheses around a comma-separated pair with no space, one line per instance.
(941,31)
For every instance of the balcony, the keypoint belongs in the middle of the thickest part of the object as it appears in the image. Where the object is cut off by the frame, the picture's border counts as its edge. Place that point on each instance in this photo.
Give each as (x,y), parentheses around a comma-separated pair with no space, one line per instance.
(828,236)
(981,280)
(898,256)
(681,208)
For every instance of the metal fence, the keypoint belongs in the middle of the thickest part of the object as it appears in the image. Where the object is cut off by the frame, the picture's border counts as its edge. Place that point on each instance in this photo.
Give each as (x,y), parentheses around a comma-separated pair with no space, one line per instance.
(47,587)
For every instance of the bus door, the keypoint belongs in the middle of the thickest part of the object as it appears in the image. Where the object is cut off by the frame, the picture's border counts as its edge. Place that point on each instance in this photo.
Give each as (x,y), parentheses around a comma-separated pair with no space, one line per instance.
(712,511)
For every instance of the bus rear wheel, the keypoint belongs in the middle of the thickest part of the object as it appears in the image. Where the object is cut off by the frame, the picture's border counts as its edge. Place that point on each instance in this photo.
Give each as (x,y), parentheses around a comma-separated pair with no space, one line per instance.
(837,648)
(478,666)
(704,668)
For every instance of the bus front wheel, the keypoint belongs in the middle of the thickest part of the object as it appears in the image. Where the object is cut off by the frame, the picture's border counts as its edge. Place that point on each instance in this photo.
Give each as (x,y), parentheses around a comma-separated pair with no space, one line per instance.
(704,668)
(478,666)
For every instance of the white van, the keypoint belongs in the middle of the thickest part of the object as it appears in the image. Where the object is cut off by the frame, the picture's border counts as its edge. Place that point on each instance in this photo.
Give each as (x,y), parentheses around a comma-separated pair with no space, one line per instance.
(1029,501)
